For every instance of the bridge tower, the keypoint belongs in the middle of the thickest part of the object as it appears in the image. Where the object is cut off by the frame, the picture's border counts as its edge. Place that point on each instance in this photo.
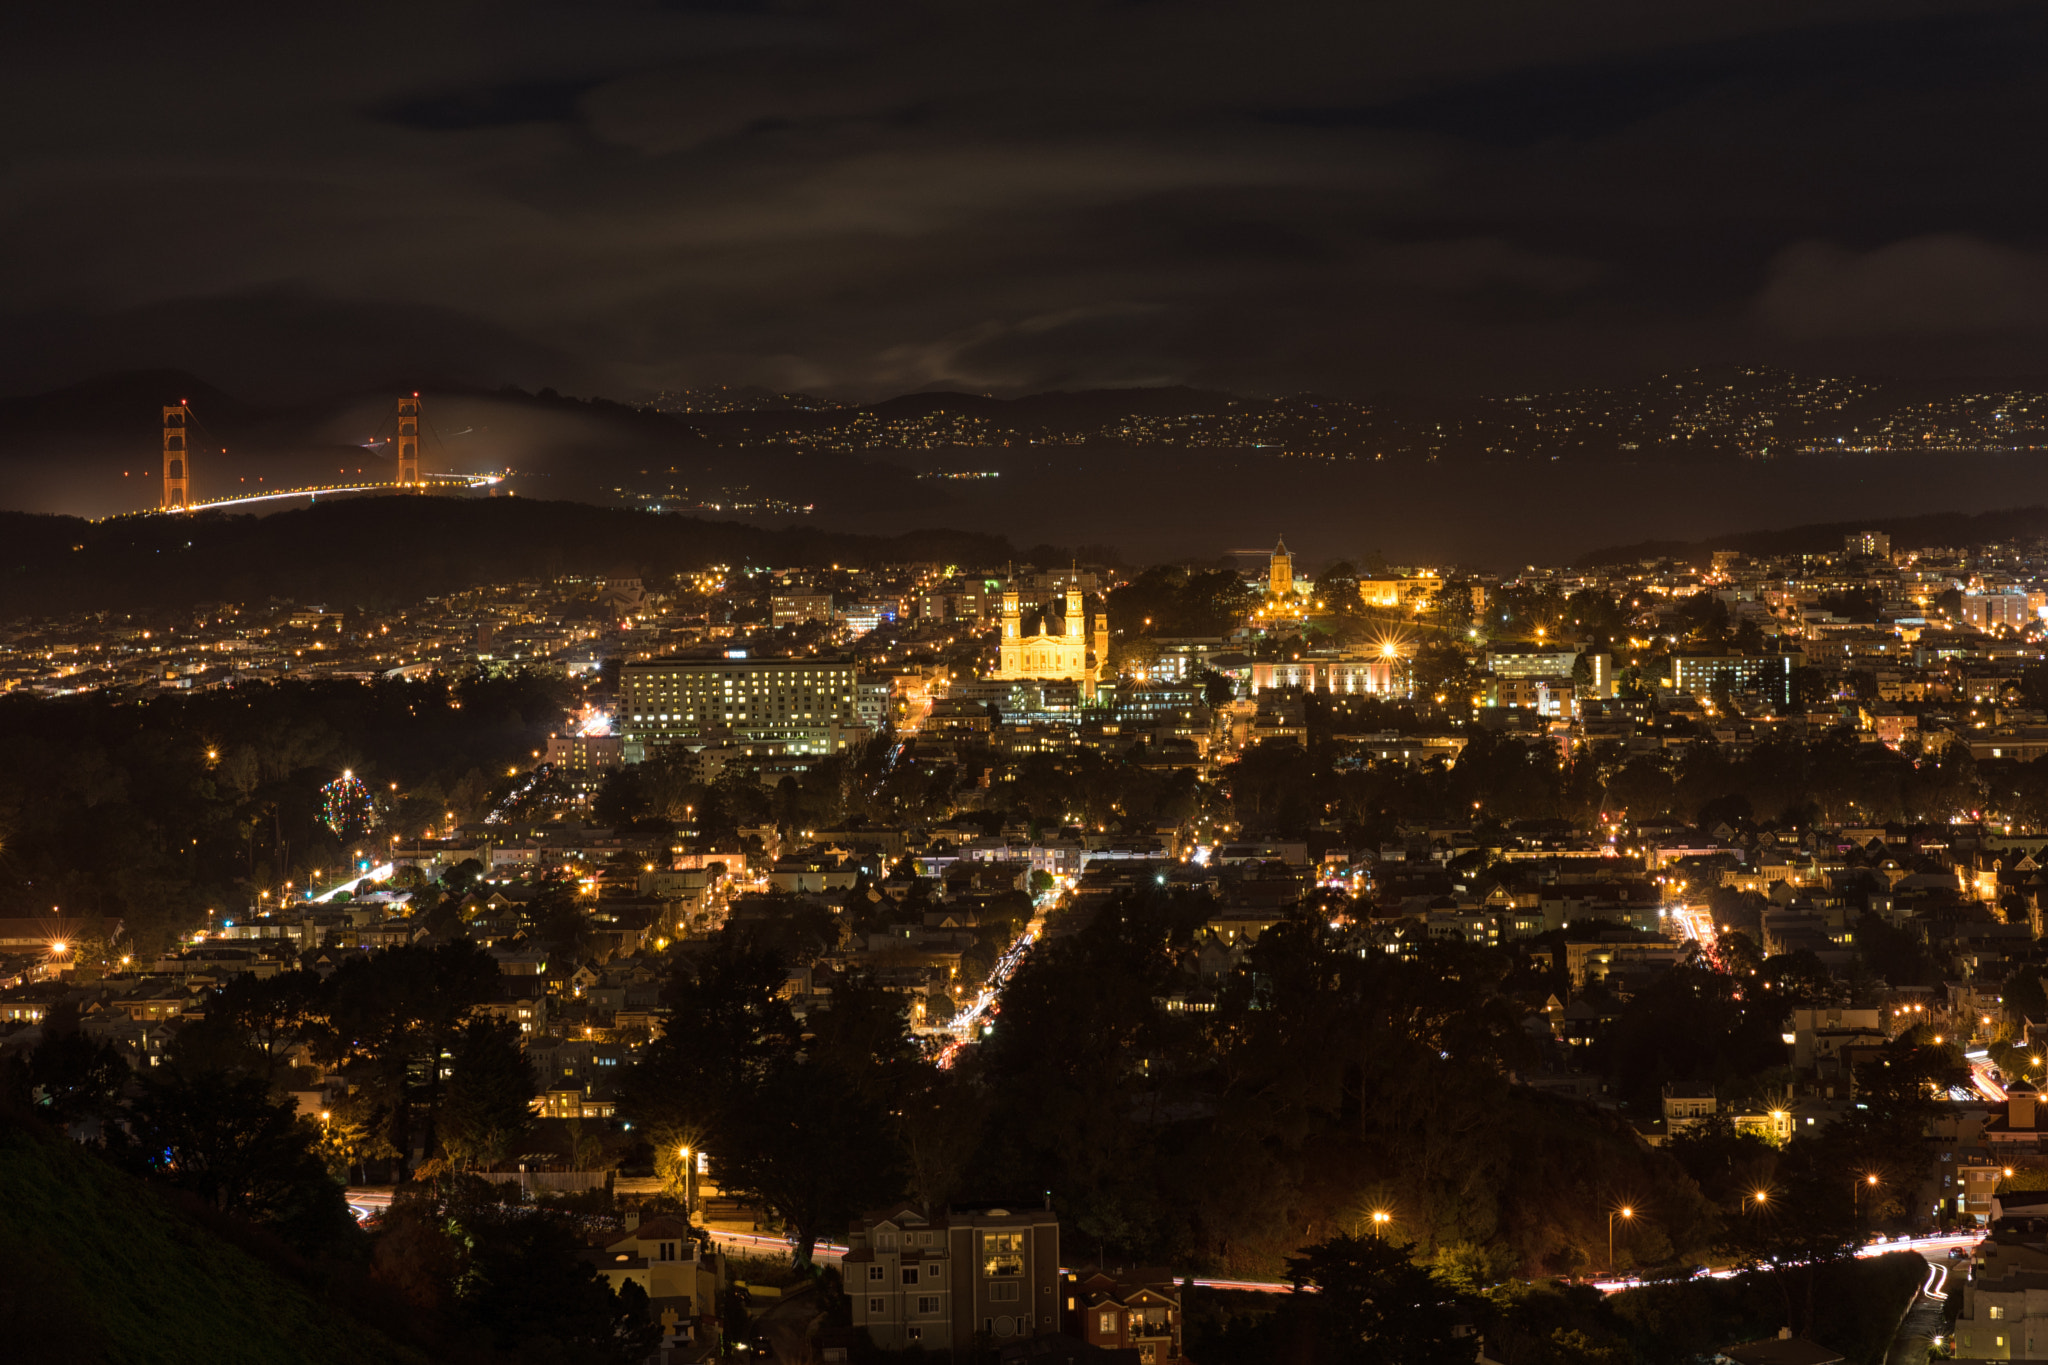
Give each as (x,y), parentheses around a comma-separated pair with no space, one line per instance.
(177,458)
(409,441)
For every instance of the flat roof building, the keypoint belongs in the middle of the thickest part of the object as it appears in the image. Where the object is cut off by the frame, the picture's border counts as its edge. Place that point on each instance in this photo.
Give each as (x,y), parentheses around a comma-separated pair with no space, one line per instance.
(805,703)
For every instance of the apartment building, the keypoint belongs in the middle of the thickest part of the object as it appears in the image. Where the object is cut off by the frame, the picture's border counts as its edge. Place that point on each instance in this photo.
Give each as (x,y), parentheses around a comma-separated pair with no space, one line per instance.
(805,703)
(940,1281)
(2005,1301)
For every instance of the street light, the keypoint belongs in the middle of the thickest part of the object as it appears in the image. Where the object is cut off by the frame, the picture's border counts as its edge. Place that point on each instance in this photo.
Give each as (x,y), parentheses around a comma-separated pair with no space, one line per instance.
(1380,1219)
(1856,1190)
(1625,1213)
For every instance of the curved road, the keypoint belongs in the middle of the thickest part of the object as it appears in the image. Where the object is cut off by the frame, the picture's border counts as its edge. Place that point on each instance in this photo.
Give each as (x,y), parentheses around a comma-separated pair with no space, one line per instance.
(1922,1322)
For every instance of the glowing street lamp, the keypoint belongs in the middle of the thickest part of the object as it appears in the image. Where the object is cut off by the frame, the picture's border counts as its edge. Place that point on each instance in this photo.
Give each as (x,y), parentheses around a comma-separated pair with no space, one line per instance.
(1626,1214)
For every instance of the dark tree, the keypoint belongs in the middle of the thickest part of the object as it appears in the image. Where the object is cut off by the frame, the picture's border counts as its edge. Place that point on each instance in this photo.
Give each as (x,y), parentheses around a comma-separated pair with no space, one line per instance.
(70,1078)
(804,1125)
(224,1139)
(487,1105)
(2024,998)
(400,1008)
(1375,1307)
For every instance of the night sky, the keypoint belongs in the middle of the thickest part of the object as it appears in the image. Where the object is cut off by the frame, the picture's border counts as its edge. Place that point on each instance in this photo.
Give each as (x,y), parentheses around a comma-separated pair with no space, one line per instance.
(1363,198)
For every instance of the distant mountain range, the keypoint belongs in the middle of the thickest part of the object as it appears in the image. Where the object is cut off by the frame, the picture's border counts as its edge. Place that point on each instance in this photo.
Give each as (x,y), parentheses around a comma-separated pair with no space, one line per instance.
(1746,413)
(1743,413)
(1157,472)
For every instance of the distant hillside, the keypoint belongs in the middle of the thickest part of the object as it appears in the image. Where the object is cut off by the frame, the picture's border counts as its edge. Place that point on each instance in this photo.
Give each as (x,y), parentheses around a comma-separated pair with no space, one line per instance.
(94,1268)
(359,551)
(1495,481)
(1080,409)
(1938,529)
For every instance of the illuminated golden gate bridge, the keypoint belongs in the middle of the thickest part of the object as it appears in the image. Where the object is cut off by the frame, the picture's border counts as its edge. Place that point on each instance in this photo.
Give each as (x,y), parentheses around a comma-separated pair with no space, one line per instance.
(177,494)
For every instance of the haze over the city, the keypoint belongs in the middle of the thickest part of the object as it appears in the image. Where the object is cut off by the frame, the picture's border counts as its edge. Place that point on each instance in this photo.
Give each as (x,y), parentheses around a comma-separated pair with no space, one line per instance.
(1099,682)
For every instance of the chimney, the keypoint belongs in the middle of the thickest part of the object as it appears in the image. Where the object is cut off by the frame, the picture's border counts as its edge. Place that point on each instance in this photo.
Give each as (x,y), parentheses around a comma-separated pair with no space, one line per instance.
(632,1219)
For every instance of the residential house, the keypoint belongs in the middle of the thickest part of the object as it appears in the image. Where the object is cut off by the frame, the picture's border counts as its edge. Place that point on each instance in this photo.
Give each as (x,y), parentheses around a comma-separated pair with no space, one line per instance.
(937,1281)
(2005,1300)
(667,1259)
(1126,1310)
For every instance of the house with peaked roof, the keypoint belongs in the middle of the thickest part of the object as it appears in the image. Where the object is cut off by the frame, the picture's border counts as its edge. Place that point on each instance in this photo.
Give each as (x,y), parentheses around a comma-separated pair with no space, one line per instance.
(2025,1119)
(2002,1316)
(1115,1310)
(666,1257)
(938,1281)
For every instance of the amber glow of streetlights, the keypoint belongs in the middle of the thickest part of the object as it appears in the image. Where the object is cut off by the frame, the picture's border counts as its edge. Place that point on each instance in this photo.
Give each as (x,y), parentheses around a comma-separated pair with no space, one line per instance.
(1625,1213)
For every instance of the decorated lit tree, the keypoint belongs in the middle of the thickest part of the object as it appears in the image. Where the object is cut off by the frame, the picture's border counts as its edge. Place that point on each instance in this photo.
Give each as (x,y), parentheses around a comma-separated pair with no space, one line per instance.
(345,807)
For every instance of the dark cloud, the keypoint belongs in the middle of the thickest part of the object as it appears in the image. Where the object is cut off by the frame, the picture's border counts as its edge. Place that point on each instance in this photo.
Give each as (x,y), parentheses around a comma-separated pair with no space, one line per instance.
(875,195)
(492,106)
(1923,286)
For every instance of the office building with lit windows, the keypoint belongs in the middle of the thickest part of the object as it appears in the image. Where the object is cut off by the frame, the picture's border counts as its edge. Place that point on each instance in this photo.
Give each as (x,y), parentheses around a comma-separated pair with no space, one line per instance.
(804,703)
(937,1282)
(1699,674)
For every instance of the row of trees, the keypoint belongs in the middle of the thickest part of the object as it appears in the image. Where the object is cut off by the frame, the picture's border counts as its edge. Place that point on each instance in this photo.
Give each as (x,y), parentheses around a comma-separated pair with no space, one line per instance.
(429,1075)
(1322,1087)
(862,786)
(158,812)
(452,1268)
(1284,787)
(1373,1305)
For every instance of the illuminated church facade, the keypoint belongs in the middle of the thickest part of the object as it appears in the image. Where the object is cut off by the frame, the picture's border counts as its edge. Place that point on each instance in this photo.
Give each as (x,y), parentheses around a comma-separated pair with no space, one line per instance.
(1280,573)
(1064,649)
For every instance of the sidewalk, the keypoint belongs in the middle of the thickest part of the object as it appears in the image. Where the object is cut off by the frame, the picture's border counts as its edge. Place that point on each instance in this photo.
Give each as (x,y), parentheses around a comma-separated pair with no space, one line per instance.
(1923,1319)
